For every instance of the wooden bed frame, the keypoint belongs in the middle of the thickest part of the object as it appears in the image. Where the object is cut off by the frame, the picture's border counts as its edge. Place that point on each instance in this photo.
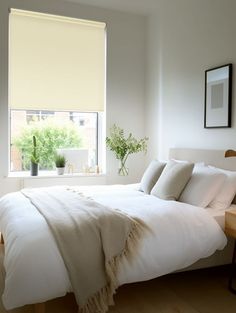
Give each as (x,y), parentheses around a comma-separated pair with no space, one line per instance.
(39,308)
(212,157)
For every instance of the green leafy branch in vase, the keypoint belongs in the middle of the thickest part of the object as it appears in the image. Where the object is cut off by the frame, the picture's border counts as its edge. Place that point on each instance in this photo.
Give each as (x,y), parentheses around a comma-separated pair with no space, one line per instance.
(123,146)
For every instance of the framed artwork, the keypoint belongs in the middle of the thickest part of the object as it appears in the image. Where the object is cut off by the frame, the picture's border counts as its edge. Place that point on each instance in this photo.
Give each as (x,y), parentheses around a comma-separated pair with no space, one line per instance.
(218,96)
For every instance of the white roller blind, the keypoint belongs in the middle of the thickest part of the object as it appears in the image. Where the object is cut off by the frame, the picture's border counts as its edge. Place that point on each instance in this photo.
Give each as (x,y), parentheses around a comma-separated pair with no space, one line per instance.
(56,63)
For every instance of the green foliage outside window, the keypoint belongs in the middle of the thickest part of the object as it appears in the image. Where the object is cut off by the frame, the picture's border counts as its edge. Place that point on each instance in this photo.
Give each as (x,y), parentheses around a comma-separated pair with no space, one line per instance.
(50,137)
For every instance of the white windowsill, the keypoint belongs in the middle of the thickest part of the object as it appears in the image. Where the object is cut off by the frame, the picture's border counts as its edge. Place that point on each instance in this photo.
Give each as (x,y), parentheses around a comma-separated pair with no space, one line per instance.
(52,174)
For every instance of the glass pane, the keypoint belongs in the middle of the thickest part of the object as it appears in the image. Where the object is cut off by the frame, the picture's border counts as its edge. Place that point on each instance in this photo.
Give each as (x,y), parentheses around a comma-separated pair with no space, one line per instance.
(73,134)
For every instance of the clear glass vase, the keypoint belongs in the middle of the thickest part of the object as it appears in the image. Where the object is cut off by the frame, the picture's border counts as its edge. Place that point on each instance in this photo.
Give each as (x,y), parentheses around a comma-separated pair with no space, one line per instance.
(122,170)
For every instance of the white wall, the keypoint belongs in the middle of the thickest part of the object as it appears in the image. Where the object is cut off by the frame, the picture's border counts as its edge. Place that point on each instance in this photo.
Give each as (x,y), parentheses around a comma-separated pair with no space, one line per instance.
(125,83)
(185,38)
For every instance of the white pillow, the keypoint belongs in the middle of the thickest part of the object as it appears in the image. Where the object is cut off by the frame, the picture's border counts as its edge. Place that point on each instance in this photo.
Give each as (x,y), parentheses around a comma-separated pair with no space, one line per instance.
(227,191)
(172,180)
(203,186)
(151,175)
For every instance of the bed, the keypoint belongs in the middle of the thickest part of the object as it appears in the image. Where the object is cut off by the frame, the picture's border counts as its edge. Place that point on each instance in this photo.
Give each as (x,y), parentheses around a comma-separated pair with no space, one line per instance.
(178,235)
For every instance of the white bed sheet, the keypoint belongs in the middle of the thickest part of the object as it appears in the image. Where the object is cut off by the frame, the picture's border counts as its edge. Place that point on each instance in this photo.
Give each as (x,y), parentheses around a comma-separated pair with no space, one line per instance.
(35,272)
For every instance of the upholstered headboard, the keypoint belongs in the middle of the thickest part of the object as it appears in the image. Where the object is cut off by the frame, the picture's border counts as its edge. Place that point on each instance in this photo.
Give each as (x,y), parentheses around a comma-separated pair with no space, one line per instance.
(209,157)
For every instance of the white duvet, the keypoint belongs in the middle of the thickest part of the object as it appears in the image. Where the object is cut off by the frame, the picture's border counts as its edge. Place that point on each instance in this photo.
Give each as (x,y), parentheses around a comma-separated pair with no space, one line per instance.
(35,272)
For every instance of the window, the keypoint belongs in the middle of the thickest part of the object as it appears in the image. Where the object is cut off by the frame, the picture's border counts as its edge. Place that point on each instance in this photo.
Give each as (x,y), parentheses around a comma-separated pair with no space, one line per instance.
(55,131)
(57,90)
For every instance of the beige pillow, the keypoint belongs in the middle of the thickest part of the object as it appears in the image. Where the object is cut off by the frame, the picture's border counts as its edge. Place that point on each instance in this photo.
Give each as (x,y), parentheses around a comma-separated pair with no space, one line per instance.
(172,180)
(151,175)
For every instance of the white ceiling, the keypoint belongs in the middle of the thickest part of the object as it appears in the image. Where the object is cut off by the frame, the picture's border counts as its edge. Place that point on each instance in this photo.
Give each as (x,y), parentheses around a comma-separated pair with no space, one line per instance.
(134,6)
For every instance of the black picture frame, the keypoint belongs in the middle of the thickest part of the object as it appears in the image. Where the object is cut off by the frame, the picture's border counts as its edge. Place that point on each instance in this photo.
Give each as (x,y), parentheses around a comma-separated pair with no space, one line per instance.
(218,97)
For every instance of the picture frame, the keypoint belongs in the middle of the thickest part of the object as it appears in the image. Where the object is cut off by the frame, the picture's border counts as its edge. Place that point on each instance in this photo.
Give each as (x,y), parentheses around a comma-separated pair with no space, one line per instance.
(218,97)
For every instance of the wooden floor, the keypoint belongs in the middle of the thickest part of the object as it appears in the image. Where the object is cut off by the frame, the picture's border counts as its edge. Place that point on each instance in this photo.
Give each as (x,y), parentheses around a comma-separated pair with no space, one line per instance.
(201,291)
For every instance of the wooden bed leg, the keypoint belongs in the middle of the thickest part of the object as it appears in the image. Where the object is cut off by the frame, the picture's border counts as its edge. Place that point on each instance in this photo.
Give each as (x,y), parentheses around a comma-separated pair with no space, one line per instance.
(2,240)
(39,308)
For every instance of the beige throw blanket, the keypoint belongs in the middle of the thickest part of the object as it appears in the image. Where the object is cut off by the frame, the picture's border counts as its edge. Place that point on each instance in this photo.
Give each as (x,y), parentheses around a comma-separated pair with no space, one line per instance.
(92,240)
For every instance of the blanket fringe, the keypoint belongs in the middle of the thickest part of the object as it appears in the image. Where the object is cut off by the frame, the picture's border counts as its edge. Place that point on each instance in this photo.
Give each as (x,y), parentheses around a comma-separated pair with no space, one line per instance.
(101,300)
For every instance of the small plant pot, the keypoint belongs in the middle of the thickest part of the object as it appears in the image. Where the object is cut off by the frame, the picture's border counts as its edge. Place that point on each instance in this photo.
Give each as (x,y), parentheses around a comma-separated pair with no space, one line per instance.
(34,168)
(60,170)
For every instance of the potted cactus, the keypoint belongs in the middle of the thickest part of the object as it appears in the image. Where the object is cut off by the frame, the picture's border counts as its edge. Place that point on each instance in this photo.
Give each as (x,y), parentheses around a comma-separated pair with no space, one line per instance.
(34,159)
